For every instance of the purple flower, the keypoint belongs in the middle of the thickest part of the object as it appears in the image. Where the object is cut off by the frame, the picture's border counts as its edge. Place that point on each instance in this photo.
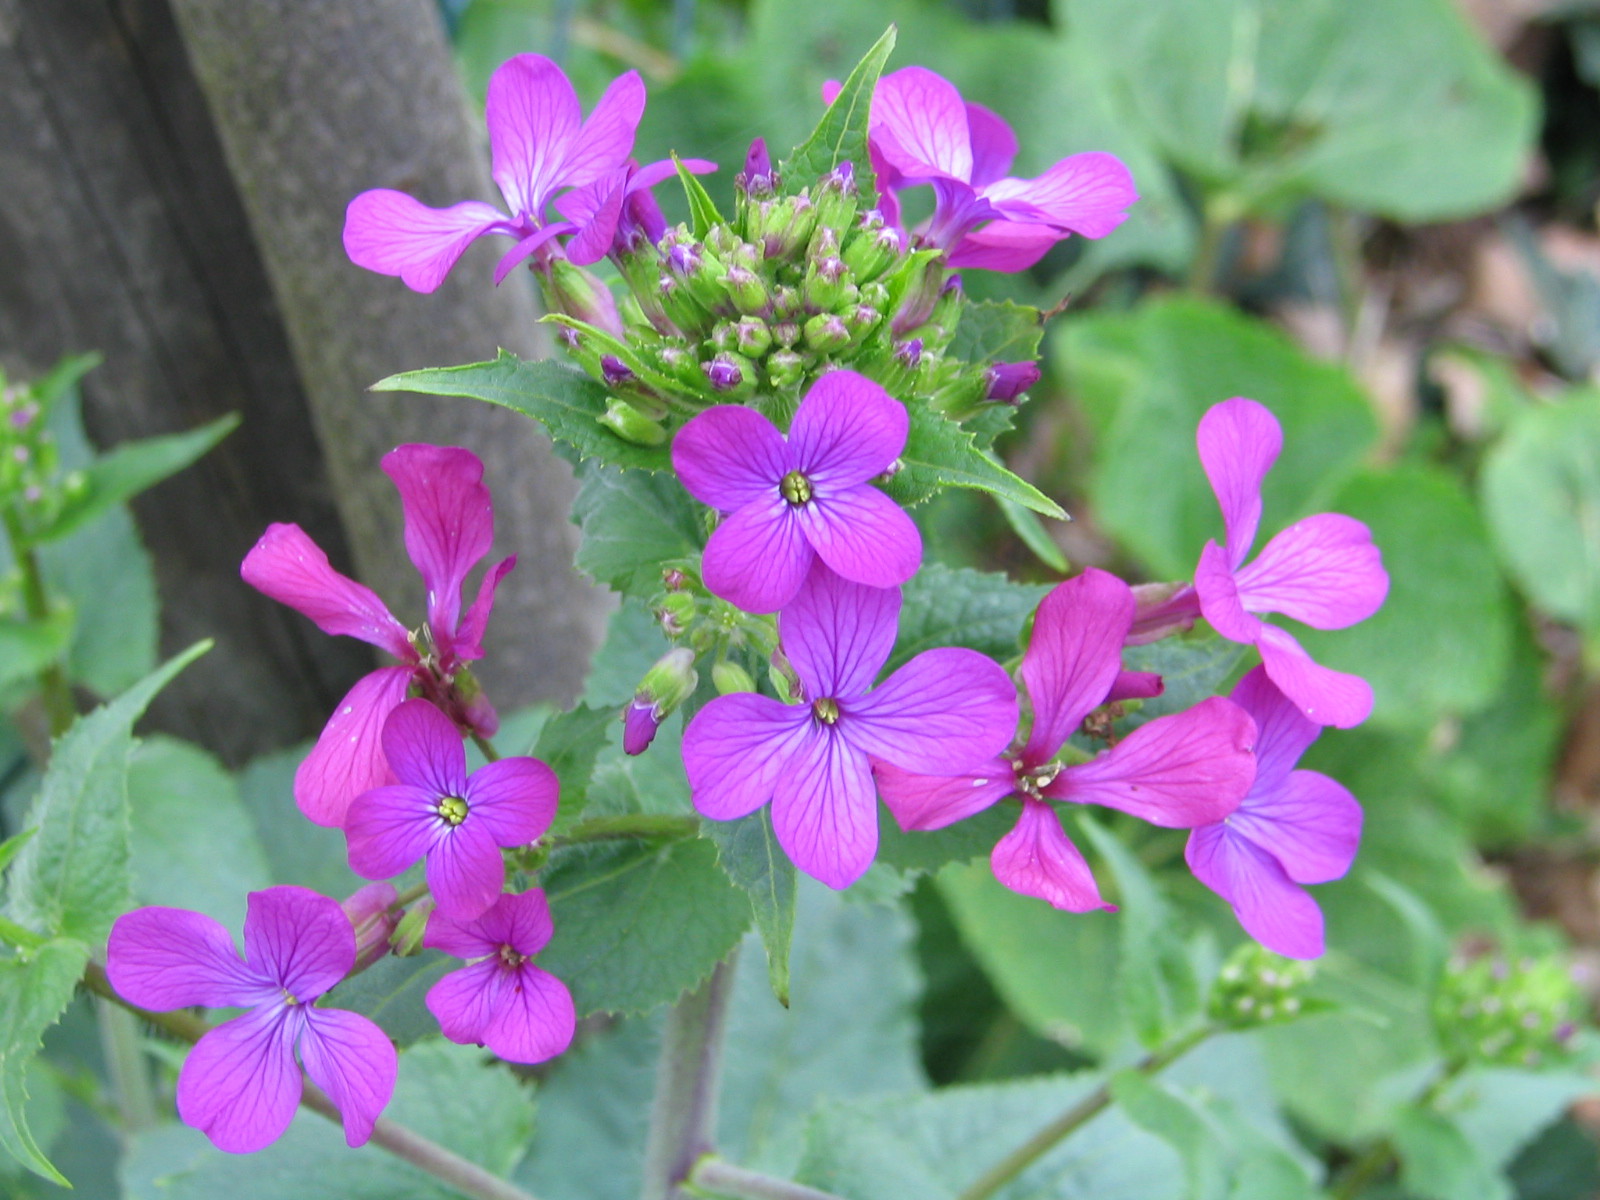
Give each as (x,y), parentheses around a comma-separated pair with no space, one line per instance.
(1323,570)
(922,132)
(789,501)
(449,527)
(1007,381)
(1293,827)
(1178,771)
(436,810)
(240,1085)
(946,709)
(616,213)
(503,1001)
(538,143)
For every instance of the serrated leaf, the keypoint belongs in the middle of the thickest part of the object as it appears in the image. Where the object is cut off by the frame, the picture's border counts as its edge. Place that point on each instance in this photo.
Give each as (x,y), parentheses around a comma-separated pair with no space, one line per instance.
(998,331)
(702,210)
(841,135)
(393,993)
(27,647)
(34,992)
(957,606)
(749,852)
(939,453)
(568,744)
(633,523)
(567,403)
(73,878)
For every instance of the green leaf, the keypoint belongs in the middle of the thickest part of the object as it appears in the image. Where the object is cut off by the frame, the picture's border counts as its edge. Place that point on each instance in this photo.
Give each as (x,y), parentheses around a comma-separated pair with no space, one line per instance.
(1035,537)
(702,210)
(925,851)
(749,852)
(568,744)
(1192,667)
(998,331)
(10,847)
(638,924)
(298,852)
(73,878)
(27,647)
(939,453)
(63,378)
(841,135)
(632,644)
(633,524)
(957,606)
(129,469)
(393,993)
(1437,1162)
(567,403)
(34,992)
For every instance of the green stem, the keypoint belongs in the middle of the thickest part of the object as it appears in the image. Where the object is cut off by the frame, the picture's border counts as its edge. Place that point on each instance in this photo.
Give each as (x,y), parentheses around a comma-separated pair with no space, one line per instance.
(632,825)
(485,745)
(130,1080)
(1203,268)
(1042,1142)
(54,689)
(413,893)
(1380,1156)
(711,1176)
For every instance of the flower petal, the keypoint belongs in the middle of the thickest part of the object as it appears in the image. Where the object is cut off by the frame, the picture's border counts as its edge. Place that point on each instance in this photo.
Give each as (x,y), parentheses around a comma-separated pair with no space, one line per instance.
(1088,194)
(465,872)
(838,634)
(946,711)
(520,920)
(1311,824)
(1218,593)
(514,799)
(1074,656)
(292,569)
(1324,695)
(846,430)
(606,139)
(1272,909)
(464,1001)
(595,211)
(994,146)
(735,748)
(424,749)
(240,1086)
(1282,732)
(758,557)
(729,457)
(393,234)
(934,801)
(1323,570)
(1003,246)
(920,124)
(298,938)
(533,1018)
(1136,685)
(390,828)
(1178,771)
(469,634)
(352,1060)
(348,757)
(1238,440)
(824,809)
(1038,859)
(449,523)
(464,939)
(533,116)
(166,958)
(863,535)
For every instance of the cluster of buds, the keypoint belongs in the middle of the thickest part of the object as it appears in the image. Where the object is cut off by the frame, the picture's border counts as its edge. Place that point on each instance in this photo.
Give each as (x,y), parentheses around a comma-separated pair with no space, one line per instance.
(1258,987)
(1498,1012)
(31,483)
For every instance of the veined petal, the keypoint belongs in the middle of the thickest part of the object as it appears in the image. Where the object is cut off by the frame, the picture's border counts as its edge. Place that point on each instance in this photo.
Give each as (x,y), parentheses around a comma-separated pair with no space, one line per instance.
(348,757)
(1038,859)
(166,958)
(1074,656)
(1087,193)
(1178,771)
(1238,440)
(352,1060)
(449,523)
(1218,592)
(1282,732)
(1136,685)
(729,457)
(846,430)
(521,921)
(595,209)
(920,123)
(1311,824)
(758,557)
(824,809)
(1003,246)
(862,535)
(1323,570)
(389,828)
(393,234)
(469,634)
(994,146)
(514,799)
(934,801)
(838,633)
(298,938)
(1272,909)
(523,250)
(464,939)
(464,1001)
(465,872)
(533,1018)
(606,139)
(736,747)
(424,749)
(292,569)
(946,710)
(533,116)
(1324,695)
(240,1086)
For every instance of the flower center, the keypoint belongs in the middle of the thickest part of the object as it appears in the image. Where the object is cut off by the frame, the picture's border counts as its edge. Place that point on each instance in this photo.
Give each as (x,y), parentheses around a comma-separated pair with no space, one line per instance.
(509,957)
(825,710)
(452,809)
(1032,783)
(796,488)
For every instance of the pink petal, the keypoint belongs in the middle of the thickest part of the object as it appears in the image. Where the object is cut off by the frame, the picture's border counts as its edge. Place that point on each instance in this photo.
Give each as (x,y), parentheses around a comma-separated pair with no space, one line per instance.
(513,799)
(994,146)
(1218,593)
(729,457)
(945,711)
(920,123)
(824,809)
(1238,440)
(523,250)
(166,958)
(352,1060)
(1074,656)
(521,921)
(1179,771)
(533,1017)
(1003,246)
(863,535)
(390,828)
(292,569)
(758,557)
(606,139)
(240,1086)
(838,634)
(1323,570)
(1311,824)
(1324,695)
(464,1001)
(1282,732)
(1278,914)
(1038,859)
(449,523)
(424,749)
(846,430)
(533,116)
(735,748)
(598,227)
(465,872)
(1087,193)
(348,757)
(1136,685)
(934,801)
(469,634)
(393,234)
(464,939)
(298,938)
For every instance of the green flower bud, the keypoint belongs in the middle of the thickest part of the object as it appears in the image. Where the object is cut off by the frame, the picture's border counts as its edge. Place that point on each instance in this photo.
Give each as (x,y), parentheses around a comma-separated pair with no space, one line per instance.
(407,936)
(1492,1011)
(752,338)
(631,425)
(826,333)
(785,368)
(870,254)
(730,677)
(746,289)
(1258,987)
(676,613)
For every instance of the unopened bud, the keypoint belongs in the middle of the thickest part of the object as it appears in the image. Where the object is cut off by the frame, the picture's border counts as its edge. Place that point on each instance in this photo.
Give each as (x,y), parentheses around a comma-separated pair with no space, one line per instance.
(746,289)
(571,290)
(827,285)
(826,333)
(862,320)
(631,425)
(785,368)
(677,610)
(836,197)
(374,924)
(758,180)
(729,375)
(1008,381)
(408,934)
(753,337)
(730,677)
(615,372)
(1258,987)
(783,226)
(666,685)
(870,254)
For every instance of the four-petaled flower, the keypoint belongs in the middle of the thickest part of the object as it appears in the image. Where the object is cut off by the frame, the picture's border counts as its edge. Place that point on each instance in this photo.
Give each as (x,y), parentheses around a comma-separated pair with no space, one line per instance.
(1177,771)
(1293,827)
(458,822)
(520,1012)
(789,501)
(946,709)
(449,527)
(240,1084)
(1323,570)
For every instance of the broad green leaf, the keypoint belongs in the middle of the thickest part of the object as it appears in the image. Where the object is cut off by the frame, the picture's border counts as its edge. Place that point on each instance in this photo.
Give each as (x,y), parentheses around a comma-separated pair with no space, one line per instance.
(998,331)
(702,210)
(633,524)
(638,924)
(73,876)
(567,403)
(749,852)
(568,744)
(841,135)
(939,453)
(10,847)
(27,647)
(131,468)
(60,379)
(297,851)
(1501,1110)
(957,606)
(632,644)
(1192,667)
(393,993)
(1028,526)
(1437,1162)
(34,992)
(928,850)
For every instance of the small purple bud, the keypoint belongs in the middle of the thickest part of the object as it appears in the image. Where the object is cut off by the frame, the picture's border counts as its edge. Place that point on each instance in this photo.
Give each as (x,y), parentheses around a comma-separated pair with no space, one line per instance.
(24,416)
(722,374)
(374,924)
(615,371)
(674,580)
(642,222)
(758,178)
(909,353)
(684,260)
(639,725)
(667,684)
(568,336)
(844,175)
(1007,381)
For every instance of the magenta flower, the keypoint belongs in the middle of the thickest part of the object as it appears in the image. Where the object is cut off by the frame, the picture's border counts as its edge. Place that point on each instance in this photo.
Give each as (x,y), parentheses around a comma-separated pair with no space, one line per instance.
(944,710)
(617,213)
(790,501)
(449,527)
(1293,827)
(240,1085)
(539,144)
(1323,570)
(437,811)
(502,1001)
(922,132)
(1178,771)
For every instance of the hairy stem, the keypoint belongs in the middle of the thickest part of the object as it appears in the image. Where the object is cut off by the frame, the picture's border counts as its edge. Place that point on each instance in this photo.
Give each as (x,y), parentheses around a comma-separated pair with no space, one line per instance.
(683,1118)
(631,825)
(713,1177)
(1069,1122)
(54,689)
